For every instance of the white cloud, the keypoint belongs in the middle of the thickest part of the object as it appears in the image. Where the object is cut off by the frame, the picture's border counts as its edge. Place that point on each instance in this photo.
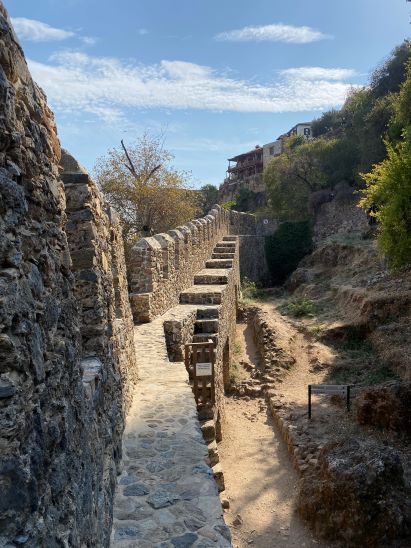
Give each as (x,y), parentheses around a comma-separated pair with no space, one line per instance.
(107,87)
(142,32)
(318,73)
(37,31)
(273,33)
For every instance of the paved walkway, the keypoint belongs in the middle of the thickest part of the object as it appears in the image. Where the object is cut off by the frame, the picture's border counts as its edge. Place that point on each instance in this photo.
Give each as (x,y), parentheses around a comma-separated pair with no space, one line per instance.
(166,494)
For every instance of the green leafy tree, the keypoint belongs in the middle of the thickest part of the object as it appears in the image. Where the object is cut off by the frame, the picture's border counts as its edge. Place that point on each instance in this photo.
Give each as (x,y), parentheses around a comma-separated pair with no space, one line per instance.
(208,197)
(305,167)
(387,195)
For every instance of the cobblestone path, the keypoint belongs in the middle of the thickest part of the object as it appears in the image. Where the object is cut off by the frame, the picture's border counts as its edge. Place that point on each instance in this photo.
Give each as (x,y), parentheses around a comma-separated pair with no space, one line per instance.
(166,494)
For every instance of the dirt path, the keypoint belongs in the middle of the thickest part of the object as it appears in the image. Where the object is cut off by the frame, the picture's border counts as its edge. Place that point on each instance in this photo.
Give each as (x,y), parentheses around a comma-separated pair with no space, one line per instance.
(312,359)
(260,480)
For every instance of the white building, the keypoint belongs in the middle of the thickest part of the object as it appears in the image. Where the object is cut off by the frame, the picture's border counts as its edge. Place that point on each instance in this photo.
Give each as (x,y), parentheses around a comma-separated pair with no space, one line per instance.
(276,147)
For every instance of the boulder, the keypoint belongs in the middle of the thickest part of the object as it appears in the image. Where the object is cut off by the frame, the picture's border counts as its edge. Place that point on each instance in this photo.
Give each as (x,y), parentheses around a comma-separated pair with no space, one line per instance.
(357,495)
(386,406)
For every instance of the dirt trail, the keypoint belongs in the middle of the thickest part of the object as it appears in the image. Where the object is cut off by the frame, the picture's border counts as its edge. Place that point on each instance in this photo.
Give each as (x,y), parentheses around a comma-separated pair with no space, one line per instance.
(260,480)
(311,358)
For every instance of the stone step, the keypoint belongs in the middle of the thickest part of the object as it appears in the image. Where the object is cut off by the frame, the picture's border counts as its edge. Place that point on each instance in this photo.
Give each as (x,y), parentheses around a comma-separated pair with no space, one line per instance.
(222,256)
(224,251)
(202,294)
(226,244)
(224,248)
(207,312)
(204,337)
(230,239)
(211,276)
(219,263)
(206,326)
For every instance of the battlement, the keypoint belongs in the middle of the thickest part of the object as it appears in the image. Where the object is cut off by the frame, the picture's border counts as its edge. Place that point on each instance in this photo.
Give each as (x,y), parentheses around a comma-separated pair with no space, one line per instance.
(163,265)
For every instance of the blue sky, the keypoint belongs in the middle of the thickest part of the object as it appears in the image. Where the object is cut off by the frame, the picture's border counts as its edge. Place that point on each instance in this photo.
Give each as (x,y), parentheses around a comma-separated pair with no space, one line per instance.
(216,76)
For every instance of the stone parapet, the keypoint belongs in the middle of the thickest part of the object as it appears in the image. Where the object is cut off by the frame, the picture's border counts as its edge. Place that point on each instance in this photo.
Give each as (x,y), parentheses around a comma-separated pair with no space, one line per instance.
(163,265)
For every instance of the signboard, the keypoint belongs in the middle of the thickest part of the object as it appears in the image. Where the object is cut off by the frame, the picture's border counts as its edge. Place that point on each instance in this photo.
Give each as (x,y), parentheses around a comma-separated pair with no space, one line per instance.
(199,361)
(328,390)
(204,369)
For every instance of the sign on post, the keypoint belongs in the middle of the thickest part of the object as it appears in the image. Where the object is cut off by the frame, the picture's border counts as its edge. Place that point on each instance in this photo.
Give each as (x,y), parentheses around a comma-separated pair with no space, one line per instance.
(328,390)
(204,369)
(199,358)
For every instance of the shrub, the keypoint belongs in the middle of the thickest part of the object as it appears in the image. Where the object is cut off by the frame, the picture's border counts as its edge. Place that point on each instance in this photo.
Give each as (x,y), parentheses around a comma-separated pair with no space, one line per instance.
(298,307)
(286,247)
(388,198)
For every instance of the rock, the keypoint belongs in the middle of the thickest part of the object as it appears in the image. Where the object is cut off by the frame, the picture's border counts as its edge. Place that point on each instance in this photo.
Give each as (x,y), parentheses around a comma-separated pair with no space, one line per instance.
(357,495)
(185,541)
(225,503)
(386,406)
(208,430)
(213,453)
(161,499)
(136,490)
(238,521)
(7,389)
(219,477)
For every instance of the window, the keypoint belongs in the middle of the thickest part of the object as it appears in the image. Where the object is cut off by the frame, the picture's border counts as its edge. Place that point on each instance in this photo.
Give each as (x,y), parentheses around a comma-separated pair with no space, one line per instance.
(307,131)
(271,151)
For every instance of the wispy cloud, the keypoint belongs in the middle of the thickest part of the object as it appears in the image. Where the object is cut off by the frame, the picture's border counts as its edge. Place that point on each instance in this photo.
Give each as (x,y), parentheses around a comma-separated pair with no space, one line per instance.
(318,73)
(273,33)
(142,32)
(37,31)
(108,87)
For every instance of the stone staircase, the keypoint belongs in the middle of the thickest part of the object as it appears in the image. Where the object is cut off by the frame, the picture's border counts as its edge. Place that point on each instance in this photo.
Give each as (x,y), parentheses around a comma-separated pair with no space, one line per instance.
(208,289)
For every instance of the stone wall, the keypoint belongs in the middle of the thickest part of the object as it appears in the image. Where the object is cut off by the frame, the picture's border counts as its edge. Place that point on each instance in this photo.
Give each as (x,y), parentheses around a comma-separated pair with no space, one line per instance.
(163,265)
(62,384)
(251,231)
(340,216)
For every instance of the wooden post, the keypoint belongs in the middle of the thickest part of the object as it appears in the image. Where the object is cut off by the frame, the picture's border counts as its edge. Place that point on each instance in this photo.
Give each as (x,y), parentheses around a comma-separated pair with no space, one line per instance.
(309,401)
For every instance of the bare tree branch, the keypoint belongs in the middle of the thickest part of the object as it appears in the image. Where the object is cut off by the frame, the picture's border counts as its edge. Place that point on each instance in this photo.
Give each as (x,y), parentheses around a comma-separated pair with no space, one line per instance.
(151,173)
(130,167)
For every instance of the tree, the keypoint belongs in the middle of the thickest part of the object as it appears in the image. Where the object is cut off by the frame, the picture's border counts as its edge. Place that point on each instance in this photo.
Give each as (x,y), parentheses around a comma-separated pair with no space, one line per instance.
(208,198)
(303,168)
(150,195)
(387,195)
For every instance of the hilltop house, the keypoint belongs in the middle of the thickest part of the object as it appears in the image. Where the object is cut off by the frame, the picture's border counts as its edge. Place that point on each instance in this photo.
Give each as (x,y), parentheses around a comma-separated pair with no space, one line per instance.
(246,169)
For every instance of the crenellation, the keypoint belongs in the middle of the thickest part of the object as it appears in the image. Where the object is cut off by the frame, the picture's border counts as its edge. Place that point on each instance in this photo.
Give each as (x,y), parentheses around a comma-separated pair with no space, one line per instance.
(159,272)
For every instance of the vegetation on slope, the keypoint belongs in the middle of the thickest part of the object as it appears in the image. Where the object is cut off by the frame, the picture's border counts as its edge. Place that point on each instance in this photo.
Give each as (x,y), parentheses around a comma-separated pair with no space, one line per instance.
(370,135)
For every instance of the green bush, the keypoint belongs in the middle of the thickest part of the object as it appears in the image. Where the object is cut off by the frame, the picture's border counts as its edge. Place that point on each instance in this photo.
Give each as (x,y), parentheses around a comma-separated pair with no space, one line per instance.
(249,288)
(388,197)
(298,307)
(228,205)
(286,247)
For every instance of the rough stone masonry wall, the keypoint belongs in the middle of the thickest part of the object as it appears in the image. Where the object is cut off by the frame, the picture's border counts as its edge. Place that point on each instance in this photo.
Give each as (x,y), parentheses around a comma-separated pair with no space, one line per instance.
(57,456)
(340,217)
(96,248)
(163,265)
(252,231)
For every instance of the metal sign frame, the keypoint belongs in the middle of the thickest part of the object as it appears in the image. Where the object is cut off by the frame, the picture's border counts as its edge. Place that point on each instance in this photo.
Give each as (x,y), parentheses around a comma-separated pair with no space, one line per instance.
(328,390)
